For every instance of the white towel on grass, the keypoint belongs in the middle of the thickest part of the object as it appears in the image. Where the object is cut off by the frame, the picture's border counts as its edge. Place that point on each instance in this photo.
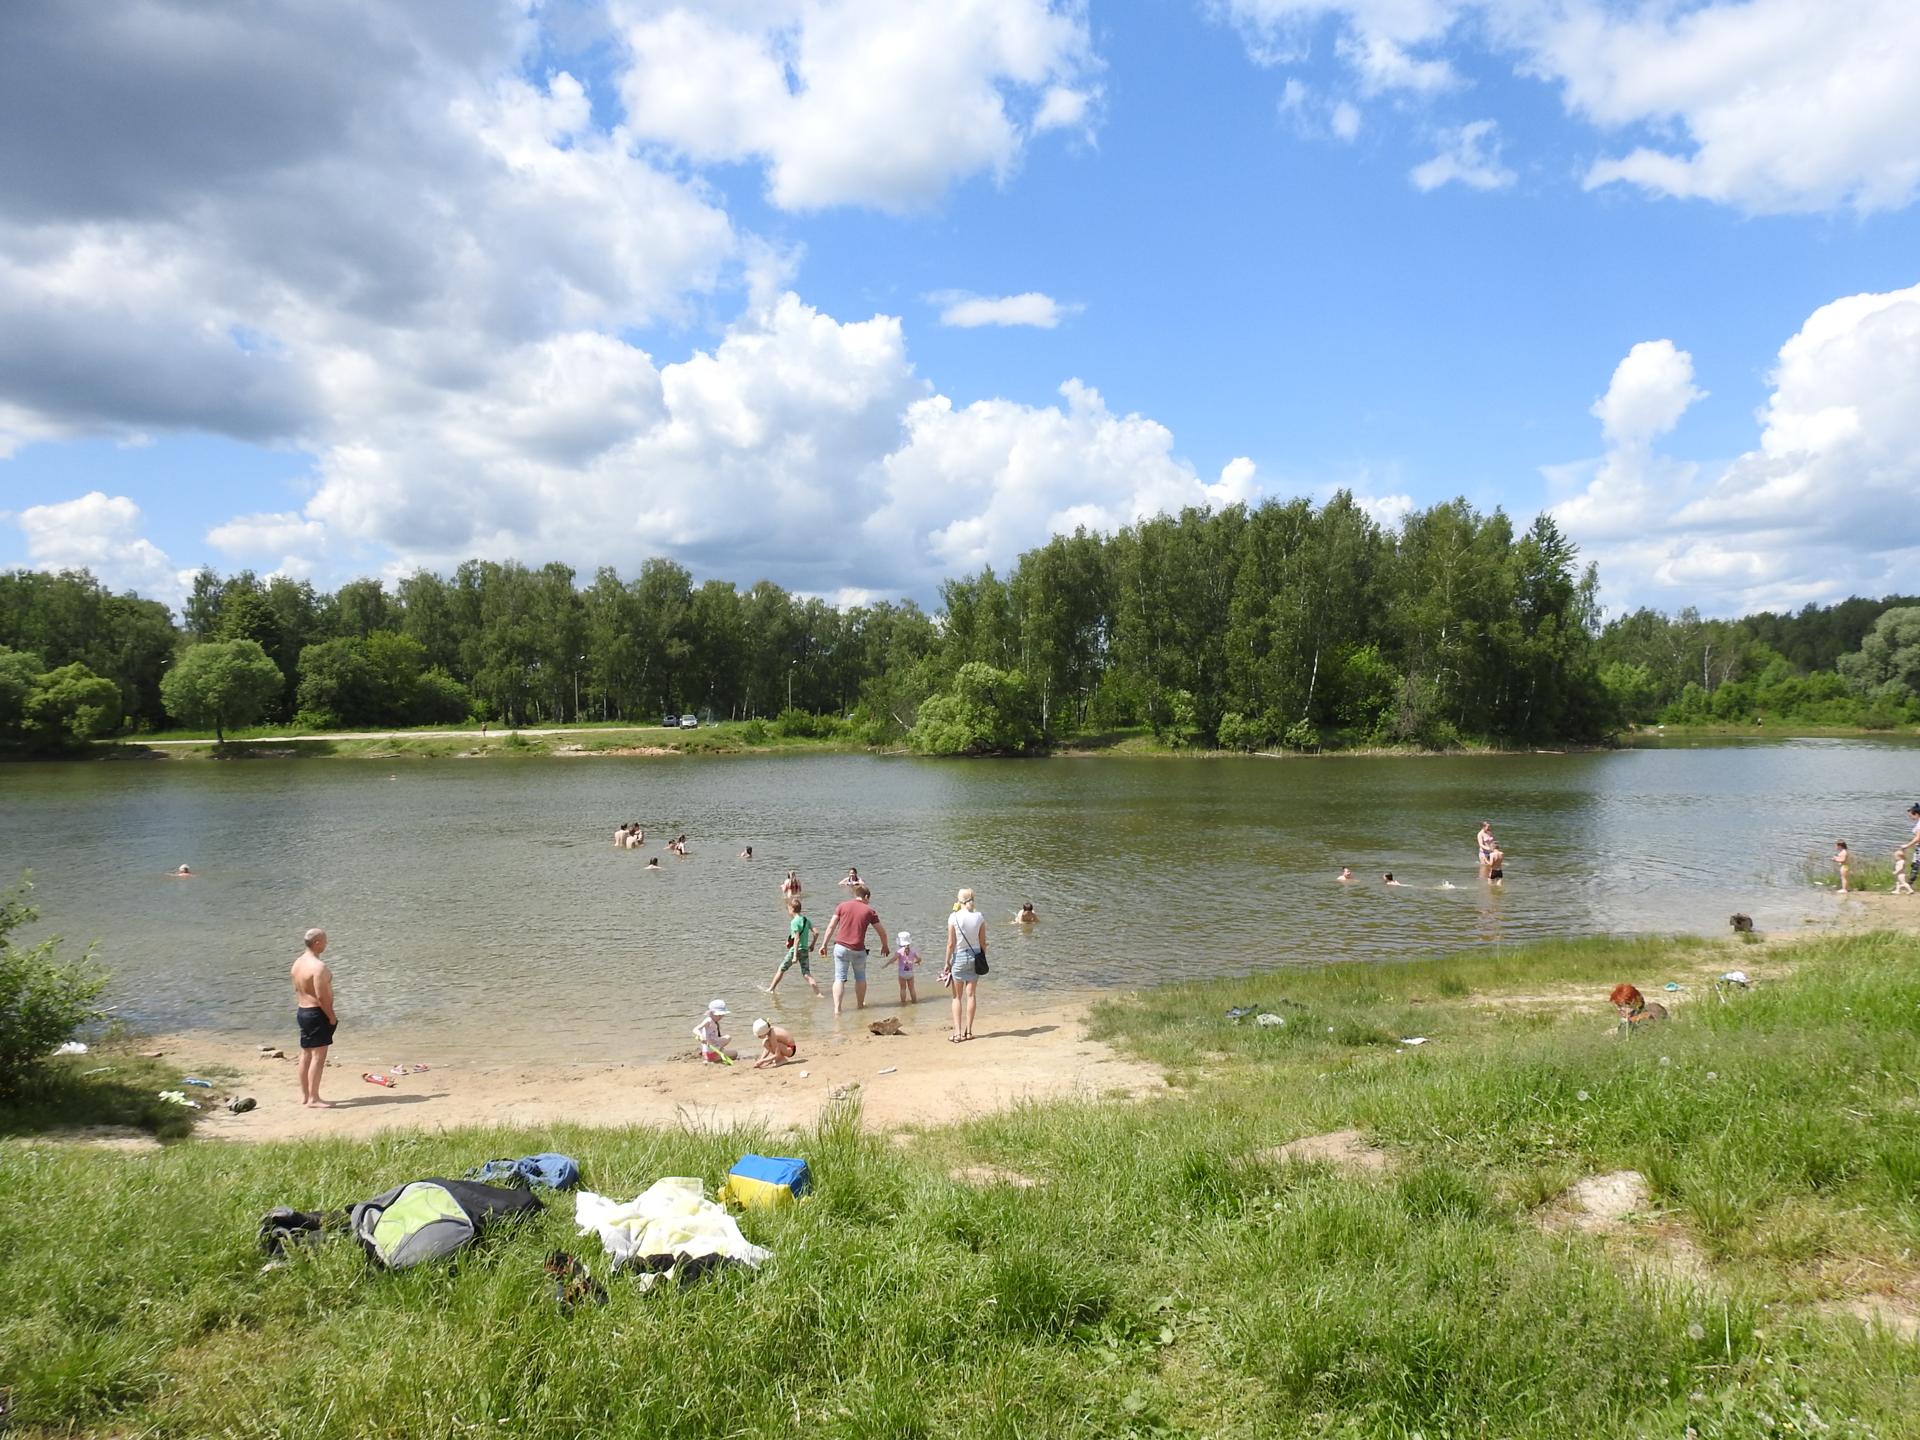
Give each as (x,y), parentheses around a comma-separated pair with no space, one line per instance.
(670,1217)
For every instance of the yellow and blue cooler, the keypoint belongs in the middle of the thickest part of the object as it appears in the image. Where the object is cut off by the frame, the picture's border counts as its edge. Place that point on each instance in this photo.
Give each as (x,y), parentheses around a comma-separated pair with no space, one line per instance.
(761,1182)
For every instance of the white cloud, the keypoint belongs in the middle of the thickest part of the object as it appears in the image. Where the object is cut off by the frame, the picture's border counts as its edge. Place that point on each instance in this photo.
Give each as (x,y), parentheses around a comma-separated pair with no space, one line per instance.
(1785,105)
(883,103)
(978,484)
(189,284)
(1065,108)
(1651,389)
(1386,511)
(1315,116)
(1376,38)
(1470,156)
(742,460)
(1769,106)
(1819,509)
(101,533)
(1042,312)
(296,540)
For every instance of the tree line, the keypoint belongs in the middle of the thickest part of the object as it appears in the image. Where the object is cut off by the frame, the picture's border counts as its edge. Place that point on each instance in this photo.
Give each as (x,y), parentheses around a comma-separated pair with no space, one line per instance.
(1281,624)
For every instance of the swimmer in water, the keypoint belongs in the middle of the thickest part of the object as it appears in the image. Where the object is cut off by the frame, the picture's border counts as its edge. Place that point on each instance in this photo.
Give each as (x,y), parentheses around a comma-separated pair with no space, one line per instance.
(1446,885)
(1026,915)
(790,887)
(1483,843)
(653,863)
(852,877)
(1496,865)
(1346,876)
(747,854)
(1387,878)
(185,872)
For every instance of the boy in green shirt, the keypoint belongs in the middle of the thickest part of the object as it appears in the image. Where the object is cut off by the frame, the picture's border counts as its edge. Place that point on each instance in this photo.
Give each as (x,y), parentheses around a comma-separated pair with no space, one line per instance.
(799,943)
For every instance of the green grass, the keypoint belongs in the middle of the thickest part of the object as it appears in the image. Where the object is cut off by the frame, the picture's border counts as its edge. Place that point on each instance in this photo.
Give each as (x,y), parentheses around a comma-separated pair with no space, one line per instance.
(106,1087)
(1160,1280)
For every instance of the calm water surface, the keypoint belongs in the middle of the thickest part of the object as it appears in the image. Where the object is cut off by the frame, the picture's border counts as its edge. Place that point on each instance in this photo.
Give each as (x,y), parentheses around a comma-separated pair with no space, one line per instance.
(479,909)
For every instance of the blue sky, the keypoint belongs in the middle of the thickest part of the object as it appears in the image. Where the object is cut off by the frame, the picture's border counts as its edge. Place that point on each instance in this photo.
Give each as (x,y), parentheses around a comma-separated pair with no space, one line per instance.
(334,292)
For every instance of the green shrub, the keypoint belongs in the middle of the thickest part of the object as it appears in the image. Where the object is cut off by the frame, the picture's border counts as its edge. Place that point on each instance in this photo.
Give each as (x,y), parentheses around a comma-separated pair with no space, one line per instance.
(791,724)
(754,732)
(42,1002)
(1237,732)
(987,712)
(439,699)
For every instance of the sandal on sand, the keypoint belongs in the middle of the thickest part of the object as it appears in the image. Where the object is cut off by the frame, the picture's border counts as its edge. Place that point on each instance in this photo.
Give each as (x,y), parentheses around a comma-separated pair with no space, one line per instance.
(373,1079)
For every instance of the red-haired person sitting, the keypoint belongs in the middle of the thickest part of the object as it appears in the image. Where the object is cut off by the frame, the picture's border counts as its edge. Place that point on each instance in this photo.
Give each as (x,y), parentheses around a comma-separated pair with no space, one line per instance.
(1633,1006)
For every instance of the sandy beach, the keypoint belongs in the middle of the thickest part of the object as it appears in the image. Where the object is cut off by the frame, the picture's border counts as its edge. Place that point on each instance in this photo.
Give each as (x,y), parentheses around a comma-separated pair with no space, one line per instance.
(917,1077)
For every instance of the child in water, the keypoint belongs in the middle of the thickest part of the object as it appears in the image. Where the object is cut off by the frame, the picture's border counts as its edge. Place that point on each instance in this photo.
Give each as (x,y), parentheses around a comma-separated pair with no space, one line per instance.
(1346,875)
(799,942)
(1844,860)
(907,959)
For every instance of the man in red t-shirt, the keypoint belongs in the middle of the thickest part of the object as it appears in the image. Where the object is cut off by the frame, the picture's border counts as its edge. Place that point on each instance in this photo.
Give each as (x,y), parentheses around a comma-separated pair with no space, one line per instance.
(846,932)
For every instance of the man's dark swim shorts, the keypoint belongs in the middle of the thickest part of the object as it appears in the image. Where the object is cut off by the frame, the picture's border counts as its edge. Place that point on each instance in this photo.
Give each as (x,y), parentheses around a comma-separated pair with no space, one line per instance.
(316,1031)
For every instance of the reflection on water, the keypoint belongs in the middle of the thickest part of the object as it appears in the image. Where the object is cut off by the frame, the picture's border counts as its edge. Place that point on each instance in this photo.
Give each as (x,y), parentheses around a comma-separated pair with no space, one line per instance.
(479,909)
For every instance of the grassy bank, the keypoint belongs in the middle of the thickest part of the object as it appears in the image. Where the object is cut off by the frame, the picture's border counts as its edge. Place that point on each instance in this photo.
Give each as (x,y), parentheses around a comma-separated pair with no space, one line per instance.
(1125,1269)
(1764,730)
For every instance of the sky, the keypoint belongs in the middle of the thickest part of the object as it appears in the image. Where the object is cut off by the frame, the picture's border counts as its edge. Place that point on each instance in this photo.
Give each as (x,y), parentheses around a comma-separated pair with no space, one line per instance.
(854,295)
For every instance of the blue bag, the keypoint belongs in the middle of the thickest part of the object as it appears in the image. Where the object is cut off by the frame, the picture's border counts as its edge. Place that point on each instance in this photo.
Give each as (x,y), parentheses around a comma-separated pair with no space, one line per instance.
(532,1172)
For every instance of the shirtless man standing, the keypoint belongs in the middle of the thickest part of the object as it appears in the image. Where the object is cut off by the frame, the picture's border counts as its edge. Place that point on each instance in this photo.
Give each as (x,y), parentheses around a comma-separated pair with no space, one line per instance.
(313,1008)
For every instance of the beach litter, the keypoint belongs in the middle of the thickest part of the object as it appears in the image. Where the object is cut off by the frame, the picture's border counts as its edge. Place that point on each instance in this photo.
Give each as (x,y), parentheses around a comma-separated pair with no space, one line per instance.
(241,1104)
(151,1054)
(890,1070)
(1413,1039)
(373,1079)
(72,1047)
(98,1070)
(196,1082)
(1239,1012)
(1269,1019)
(177,1097)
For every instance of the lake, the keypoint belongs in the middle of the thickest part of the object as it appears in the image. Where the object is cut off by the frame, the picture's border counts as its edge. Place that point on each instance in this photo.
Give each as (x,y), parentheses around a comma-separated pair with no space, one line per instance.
(479,910)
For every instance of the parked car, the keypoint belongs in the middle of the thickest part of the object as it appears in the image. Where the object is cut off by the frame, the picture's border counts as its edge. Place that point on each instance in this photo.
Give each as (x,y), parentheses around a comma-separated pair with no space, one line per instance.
(672,722)
(689,722)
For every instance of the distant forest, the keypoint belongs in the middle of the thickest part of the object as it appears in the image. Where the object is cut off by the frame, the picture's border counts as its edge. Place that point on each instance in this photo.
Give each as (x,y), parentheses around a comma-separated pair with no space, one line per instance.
(1281,625)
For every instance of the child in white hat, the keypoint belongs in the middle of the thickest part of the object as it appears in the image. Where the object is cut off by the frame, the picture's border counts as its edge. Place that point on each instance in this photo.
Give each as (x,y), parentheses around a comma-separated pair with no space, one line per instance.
(715,1047)
(907,959)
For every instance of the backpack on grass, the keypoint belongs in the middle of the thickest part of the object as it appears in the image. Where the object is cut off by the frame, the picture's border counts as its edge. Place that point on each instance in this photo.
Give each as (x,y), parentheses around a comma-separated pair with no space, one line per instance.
(427,1219)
